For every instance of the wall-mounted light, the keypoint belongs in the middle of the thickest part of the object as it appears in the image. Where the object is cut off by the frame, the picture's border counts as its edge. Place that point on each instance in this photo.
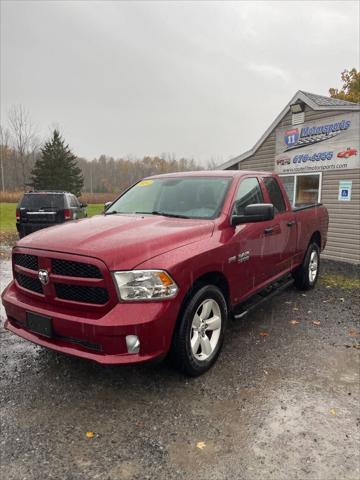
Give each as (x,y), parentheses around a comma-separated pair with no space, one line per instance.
(297,107)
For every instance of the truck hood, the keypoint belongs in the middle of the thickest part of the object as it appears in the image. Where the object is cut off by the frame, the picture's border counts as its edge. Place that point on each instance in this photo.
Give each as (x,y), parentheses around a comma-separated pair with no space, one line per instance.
(121,241)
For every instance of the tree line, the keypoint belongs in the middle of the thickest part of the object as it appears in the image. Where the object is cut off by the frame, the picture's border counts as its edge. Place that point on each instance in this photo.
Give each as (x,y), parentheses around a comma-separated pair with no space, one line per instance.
(26,163)
(106,174)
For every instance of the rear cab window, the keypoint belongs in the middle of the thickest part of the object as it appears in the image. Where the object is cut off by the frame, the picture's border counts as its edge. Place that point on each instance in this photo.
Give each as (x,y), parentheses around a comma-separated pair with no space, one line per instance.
(275,194)
(46,201)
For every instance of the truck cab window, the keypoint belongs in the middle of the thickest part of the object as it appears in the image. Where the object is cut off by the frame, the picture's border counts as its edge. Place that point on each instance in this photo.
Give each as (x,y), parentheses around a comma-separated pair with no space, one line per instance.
(248,192)
(275,194)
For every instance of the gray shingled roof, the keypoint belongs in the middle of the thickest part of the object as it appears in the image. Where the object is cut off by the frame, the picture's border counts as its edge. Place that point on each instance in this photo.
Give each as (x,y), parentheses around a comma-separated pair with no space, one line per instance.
(326,101)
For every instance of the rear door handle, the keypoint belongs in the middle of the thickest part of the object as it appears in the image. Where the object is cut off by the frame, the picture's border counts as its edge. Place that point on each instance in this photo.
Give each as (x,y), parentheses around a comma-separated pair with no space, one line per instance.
(291,223)
(268,230)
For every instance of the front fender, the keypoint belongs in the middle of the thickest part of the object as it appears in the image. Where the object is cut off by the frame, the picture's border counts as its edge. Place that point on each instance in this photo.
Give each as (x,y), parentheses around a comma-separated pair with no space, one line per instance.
(189,263)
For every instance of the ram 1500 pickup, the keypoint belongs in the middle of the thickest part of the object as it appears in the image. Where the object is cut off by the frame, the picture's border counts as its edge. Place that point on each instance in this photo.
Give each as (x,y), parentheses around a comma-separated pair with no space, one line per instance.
(163,268)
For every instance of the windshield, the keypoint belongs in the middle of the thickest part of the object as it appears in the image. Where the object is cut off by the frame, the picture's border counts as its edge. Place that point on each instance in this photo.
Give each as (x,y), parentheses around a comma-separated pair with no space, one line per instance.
(187,197)
(34,201)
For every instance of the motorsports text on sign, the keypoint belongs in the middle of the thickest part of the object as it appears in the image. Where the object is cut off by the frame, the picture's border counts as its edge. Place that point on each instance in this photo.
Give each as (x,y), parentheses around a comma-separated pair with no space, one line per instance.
(323,145)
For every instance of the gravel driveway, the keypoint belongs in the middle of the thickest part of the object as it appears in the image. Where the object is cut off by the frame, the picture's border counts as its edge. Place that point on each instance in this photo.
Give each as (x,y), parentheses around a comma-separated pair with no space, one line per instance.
(281,403)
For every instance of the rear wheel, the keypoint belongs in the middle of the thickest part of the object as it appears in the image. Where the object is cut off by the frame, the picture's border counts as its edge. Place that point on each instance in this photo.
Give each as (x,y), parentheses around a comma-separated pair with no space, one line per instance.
(199,337)
(307,274)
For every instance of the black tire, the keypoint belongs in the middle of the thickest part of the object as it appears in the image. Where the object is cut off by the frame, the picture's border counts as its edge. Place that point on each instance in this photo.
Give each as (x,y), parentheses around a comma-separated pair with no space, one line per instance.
(182,354)
(304,280)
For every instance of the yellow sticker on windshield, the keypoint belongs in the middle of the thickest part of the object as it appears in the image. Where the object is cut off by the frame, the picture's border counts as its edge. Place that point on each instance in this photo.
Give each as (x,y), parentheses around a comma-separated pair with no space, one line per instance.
(145,183)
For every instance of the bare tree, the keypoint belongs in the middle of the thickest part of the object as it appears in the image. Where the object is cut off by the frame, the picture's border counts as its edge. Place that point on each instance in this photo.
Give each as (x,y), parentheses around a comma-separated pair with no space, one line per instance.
(23,133)
(4,152)
(211,164)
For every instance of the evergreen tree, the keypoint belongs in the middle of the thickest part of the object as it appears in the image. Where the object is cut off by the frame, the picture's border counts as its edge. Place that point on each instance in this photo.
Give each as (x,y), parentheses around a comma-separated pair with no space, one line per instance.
(57,168)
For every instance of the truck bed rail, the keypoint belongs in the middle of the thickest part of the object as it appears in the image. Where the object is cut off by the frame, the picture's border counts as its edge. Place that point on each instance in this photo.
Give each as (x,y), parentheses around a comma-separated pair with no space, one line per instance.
(305,207)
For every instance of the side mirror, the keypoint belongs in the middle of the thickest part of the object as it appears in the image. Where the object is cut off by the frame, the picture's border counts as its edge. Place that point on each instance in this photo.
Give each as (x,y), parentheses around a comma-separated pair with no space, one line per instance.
(107,205)
(257,212)
(83,205)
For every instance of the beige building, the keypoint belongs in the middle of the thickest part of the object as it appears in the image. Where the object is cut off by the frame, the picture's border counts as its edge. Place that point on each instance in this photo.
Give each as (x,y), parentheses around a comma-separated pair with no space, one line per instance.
(313,144)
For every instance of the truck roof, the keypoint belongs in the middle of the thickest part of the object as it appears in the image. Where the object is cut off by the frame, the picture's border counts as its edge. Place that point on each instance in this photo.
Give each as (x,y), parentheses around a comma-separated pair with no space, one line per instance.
(212,173)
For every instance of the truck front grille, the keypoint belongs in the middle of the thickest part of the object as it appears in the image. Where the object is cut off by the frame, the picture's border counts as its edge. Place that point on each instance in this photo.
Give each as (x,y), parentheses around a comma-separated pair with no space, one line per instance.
(86,282)
(29,283)
(80,293)
(75,269)
(26,261)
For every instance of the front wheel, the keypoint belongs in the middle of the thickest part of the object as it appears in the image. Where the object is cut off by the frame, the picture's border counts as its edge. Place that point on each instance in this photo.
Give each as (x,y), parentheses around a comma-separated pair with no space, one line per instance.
(199,337)
(306,275)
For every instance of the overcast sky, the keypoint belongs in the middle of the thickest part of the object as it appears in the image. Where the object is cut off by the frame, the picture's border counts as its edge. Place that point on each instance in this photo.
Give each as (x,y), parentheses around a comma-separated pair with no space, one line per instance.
(197,79)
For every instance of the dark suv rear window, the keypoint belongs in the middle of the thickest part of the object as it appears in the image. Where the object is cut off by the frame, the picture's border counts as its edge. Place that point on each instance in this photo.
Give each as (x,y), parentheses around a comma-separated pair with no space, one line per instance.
(42,200)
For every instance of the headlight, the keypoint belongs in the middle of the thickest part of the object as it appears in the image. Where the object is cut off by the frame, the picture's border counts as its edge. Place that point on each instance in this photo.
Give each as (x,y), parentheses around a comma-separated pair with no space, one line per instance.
(137,285)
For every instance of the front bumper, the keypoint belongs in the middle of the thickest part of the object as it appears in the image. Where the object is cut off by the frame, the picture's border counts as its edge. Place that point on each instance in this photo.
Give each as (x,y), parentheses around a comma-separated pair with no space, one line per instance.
(97,337)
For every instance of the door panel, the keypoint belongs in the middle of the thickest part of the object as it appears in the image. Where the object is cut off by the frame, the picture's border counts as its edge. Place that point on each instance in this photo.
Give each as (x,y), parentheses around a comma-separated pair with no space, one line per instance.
(248,246)
(282,238)
(247,251)
(280,242)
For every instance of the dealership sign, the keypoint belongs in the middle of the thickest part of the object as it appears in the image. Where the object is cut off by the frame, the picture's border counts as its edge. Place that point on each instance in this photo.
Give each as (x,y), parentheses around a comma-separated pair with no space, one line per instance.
(329,144)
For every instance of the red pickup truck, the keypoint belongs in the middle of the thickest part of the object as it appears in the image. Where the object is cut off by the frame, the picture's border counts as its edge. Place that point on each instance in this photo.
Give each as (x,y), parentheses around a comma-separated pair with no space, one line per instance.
(163,268)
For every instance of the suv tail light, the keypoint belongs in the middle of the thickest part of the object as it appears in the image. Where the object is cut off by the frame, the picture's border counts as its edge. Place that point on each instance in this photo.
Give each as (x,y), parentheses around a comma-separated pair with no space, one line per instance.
(18,214)
(67,214)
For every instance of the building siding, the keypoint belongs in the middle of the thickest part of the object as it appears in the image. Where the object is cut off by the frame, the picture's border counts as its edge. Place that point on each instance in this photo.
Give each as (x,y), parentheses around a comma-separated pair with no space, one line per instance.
(344,217)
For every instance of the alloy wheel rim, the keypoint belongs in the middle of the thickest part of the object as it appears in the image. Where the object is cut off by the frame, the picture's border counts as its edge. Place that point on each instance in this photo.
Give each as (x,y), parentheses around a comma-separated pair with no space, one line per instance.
(313,266)
(205,329)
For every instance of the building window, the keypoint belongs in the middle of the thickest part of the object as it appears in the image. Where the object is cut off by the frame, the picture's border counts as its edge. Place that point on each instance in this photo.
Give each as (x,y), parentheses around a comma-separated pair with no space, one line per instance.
(303,189)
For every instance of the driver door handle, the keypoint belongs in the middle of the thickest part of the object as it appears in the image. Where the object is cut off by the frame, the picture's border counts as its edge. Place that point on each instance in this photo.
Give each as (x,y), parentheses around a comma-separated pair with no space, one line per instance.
(291,223)
(268,230)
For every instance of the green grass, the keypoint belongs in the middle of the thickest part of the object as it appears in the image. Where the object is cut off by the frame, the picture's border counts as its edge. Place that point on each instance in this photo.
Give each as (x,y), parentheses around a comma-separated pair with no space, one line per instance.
(7,217)
(94,209)
(340,281)
(8,210)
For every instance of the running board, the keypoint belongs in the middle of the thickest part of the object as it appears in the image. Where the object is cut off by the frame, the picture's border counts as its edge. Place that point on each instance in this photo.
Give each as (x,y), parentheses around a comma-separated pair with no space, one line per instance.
(264,295)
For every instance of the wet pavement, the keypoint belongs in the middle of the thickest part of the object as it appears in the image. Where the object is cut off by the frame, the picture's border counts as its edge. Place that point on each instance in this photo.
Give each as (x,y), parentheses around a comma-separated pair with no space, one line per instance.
(281,403)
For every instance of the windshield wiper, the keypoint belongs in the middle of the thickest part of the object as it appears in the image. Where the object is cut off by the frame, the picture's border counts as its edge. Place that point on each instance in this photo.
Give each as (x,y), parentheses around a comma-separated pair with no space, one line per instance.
(154,212)
(165,214)
(111,213)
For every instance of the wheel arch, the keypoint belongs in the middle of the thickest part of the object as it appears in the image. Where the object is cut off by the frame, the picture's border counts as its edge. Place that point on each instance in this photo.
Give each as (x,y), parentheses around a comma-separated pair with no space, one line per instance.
(216,278)
(316,238)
